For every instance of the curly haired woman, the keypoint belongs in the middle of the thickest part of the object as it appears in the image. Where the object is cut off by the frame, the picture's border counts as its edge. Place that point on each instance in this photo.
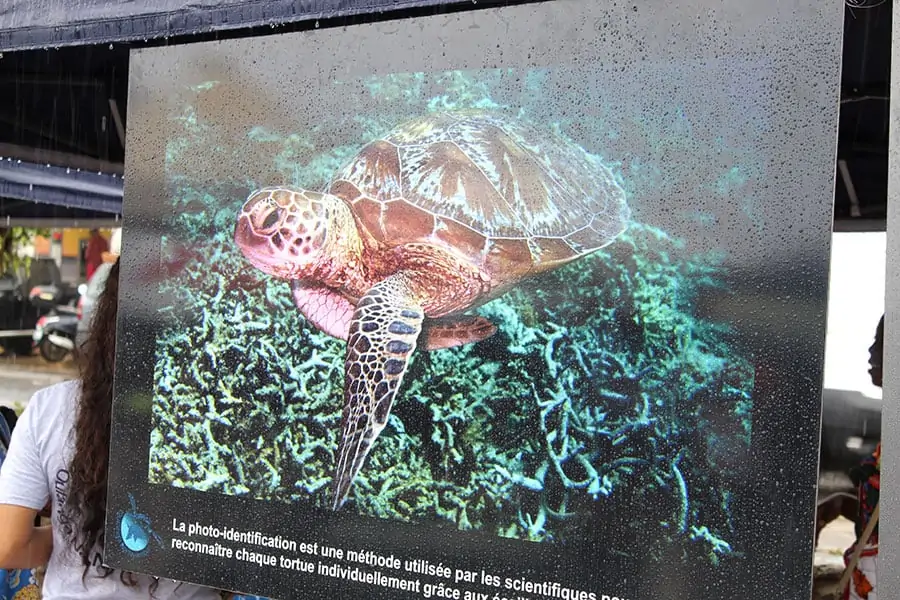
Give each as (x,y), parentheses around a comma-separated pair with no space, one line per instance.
(59,455)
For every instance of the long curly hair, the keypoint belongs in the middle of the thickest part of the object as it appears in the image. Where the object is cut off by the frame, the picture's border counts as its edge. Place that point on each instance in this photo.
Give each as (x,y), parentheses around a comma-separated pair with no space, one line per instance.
(83,514)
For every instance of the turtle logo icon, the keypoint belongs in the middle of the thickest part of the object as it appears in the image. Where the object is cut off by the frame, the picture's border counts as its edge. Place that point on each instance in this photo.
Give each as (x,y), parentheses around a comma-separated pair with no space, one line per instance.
(135,530)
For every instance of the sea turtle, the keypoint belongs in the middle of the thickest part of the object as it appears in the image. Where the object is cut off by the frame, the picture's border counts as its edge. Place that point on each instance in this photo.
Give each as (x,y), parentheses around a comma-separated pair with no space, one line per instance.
(442,214)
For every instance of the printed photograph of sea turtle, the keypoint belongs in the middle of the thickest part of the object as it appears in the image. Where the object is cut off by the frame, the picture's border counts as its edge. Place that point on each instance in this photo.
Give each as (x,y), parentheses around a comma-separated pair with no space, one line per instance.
(447,299)
(441,215)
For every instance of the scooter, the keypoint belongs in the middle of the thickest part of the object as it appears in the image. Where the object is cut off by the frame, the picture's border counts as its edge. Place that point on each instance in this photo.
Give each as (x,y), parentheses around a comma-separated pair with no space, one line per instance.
(48,297)
(54,334)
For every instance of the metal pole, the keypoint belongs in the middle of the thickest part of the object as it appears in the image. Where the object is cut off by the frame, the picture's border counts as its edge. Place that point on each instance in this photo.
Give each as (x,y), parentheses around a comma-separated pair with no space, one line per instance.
(851,189)
(889,499)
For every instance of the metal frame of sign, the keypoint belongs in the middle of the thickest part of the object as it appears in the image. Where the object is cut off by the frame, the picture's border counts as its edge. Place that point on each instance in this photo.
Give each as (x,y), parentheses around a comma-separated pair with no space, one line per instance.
(788,365)
(889,528)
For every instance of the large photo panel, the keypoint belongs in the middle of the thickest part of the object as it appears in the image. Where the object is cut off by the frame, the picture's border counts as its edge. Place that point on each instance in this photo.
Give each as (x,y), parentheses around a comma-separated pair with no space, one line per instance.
(457,305)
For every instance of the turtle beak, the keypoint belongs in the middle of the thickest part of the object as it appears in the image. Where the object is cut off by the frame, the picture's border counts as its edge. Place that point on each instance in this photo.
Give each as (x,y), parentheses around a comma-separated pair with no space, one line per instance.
(245,235)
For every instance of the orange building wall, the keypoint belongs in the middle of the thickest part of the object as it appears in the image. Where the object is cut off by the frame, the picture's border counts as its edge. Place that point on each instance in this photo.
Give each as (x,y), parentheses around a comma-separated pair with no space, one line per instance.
(70,242)
(41,246)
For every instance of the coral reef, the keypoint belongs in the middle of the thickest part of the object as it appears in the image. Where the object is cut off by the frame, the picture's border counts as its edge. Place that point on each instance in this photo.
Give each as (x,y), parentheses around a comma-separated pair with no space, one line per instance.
(604,404)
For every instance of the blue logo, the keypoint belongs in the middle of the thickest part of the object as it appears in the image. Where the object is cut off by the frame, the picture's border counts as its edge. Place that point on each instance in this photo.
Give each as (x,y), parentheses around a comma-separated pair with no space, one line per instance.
(135,530)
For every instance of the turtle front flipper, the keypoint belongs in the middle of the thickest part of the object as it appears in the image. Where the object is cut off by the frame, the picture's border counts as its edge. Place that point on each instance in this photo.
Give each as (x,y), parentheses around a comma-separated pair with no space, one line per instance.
(383,334)
(327,310)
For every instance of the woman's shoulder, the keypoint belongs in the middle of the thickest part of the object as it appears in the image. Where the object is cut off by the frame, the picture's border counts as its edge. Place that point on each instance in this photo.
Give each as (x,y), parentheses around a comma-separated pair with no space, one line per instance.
(49,404)
(53,397)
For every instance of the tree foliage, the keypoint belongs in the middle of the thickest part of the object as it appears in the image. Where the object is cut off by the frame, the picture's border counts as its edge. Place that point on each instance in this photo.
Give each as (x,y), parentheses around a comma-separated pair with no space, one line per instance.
(12,238)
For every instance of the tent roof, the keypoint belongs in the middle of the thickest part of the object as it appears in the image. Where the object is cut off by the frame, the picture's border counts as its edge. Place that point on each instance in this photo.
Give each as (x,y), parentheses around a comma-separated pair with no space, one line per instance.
(29,24)
(80,194)
(66,65)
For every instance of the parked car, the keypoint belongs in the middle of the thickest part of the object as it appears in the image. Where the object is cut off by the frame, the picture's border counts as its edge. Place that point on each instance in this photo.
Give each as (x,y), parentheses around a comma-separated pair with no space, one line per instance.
(24,300)
(17,315)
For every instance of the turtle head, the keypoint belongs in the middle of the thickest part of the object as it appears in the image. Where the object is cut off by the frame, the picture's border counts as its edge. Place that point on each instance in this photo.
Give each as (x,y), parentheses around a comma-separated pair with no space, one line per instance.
(289,233)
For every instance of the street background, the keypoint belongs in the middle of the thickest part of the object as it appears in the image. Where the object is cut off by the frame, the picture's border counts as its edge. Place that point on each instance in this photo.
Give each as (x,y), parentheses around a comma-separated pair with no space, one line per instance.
(21,377)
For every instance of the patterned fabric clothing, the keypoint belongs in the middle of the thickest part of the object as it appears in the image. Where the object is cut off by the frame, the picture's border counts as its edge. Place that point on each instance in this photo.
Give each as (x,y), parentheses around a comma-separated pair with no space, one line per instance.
(16,584)
(867,477)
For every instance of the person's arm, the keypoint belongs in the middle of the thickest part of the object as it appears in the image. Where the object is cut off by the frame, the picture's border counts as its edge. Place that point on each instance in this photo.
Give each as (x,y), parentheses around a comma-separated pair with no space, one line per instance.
(24,491)
(22,545)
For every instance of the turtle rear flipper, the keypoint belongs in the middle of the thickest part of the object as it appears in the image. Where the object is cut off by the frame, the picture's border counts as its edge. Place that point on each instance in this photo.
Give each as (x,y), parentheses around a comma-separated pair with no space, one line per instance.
(457,331)
(383,335)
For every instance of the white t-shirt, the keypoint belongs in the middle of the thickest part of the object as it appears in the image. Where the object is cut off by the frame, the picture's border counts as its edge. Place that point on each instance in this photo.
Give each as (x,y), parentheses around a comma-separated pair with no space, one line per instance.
(36,465)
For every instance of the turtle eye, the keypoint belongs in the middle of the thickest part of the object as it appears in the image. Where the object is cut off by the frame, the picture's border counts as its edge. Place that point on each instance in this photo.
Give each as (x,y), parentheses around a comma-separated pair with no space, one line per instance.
(267,218)
(270,220)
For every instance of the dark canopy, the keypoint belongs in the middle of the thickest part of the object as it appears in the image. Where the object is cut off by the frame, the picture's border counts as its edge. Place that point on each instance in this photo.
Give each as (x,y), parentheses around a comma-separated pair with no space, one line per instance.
(65,70)
(30,192)
(26,24)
